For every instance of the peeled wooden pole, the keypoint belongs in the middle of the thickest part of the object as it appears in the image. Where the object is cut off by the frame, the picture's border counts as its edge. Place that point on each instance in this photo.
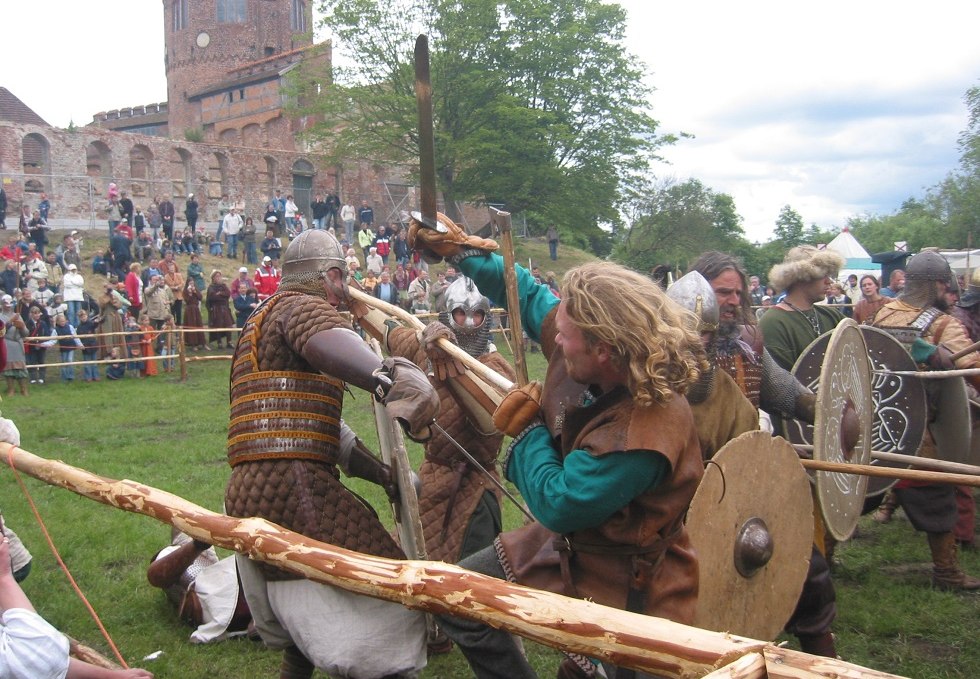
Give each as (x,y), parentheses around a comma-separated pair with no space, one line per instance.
(502,221)
(893,473)
(627,639)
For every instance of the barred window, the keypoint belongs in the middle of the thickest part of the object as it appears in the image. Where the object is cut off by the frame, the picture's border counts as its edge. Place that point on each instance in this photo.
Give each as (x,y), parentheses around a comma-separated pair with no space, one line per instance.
(179,11)
(297,16)
(231,11)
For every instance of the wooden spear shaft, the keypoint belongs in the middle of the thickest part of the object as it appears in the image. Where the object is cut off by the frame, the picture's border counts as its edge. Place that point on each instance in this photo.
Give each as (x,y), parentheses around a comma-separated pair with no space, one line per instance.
(912,461)
(492,378)
(501,220)
(627,639)
(893,473)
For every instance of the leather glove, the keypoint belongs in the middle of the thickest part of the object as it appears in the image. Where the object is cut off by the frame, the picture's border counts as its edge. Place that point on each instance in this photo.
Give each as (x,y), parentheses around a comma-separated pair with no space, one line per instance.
(434,245)
(520,407)
(443,365)
(942,359)
(806,408)
(410,399)
(9,432)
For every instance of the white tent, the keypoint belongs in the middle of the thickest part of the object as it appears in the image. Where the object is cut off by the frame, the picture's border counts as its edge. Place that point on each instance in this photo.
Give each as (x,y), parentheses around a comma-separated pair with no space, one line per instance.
(962,261)
(858,260)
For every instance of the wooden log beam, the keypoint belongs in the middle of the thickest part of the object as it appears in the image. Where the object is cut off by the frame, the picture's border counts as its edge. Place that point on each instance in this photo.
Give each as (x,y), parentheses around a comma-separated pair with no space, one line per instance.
(626,639)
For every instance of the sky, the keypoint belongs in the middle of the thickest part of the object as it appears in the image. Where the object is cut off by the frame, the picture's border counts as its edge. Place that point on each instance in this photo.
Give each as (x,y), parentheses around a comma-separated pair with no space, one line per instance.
(836,108)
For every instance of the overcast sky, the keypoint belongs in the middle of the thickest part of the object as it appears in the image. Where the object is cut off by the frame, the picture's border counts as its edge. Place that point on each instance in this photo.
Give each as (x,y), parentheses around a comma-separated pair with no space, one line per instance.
(835,108)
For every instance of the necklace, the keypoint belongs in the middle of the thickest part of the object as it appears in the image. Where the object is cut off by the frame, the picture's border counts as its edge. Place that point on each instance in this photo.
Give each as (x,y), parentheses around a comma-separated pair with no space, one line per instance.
(813,320)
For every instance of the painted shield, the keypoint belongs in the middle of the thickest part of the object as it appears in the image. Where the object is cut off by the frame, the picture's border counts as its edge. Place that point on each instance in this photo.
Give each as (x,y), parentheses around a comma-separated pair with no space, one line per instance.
(951,426)
(898,403)
(753,534)
(842,428)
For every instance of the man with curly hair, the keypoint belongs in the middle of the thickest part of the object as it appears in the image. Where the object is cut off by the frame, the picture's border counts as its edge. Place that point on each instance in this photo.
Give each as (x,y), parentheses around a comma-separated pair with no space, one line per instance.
(605,454)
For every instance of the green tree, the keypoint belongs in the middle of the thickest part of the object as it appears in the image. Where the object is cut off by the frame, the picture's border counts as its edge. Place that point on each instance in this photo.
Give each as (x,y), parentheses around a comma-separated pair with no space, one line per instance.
(674,223)
(537,104)
(789,227)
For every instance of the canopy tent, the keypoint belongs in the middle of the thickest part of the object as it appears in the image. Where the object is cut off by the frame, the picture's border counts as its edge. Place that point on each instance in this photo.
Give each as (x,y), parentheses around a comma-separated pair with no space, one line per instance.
(962,261)
(858,260)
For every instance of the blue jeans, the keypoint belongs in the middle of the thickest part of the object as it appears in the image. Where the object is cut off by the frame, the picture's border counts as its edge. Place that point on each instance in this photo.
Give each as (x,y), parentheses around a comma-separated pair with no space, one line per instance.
(67,371)
(232,239)
(90,372)
(250,252)
(553,249)
(74,306)
(318,223)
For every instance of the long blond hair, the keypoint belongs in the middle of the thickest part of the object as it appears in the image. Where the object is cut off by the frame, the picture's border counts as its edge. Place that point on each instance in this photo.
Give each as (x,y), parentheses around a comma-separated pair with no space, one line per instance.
(650,336)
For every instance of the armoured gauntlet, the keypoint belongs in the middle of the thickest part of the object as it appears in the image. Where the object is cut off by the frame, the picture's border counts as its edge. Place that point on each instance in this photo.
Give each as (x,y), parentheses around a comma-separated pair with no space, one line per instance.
(408,396)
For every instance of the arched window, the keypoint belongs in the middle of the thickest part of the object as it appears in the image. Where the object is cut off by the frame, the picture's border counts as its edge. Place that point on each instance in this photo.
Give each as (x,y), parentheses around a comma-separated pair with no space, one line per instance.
(140,170)
(37,161)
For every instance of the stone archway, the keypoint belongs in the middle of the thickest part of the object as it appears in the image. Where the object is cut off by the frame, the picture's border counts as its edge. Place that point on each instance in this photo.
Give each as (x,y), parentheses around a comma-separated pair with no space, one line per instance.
(303,172)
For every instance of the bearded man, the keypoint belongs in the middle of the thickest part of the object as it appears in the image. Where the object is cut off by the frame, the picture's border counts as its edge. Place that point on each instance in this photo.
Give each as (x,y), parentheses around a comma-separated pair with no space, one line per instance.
(287,445)
(608,459)
(738,347)
(922,307)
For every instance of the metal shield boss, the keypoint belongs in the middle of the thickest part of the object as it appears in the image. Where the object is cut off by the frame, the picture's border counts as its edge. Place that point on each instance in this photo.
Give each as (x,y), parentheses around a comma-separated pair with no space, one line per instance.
(951,425)
(898,403)
(842,428)
(751,523)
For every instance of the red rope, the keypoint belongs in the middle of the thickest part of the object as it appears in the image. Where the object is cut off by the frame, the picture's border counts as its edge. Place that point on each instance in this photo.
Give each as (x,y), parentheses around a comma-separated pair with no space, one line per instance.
(54,550)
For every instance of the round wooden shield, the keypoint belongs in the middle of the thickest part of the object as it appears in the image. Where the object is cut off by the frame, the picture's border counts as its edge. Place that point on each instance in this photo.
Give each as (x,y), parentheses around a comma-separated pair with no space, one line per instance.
(898,403)
(842,429)
(951,426)
(753,533)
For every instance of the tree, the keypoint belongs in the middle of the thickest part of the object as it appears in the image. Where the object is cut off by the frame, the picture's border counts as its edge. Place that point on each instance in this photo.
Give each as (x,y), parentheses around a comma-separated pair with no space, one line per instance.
(674,223)
(537,104)
(789,227)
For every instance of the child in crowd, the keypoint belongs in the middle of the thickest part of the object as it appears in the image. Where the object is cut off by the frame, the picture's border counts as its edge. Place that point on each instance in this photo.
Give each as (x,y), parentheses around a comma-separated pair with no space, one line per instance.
(90,345)
(67,343)
(117,369)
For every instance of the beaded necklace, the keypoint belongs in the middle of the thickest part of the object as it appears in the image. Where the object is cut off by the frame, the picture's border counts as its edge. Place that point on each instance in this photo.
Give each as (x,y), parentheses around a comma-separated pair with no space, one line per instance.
(814,321)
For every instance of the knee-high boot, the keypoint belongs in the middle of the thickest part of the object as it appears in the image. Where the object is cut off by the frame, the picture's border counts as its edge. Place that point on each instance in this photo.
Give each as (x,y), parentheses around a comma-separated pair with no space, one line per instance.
(946,571)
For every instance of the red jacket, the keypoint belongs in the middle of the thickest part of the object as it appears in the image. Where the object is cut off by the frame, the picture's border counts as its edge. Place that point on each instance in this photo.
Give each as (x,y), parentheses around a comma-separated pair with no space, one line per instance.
(266,281)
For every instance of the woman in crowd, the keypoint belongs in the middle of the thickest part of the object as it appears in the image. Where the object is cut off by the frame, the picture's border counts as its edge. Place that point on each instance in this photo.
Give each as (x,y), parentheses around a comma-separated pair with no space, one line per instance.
(219,313)
(871,299)
(113,306)
(401,281)
(134,289)
(15,370)
(192,316)
(838,299)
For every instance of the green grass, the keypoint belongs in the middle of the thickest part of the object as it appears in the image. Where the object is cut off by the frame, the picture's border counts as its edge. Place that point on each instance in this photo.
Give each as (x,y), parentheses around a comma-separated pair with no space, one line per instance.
(171,435)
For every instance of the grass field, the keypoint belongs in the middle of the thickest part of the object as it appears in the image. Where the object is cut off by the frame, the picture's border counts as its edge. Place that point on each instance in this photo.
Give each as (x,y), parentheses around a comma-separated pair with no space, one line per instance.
(171,435)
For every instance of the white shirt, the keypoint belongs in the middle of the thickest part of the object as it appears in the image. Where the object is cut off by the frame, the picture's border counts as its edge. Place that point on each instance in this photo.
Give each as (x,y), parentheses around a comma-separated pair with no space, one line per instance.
(30,648)
(74,285)
(232,224)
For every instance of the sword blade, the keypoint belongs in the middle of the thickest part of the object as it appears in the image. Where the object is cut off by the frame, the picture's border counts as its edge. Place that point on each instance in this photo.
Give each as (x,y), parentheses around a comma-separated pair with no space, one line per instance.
(473,461)
(427,147)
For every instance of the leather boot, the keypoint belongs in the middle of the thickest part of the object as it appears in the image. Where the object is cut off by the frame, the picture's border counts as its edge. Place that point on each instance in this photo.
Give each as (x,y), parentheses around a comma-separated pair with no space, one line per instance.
(818,644)
(887,507)
(295,665)
(946,572)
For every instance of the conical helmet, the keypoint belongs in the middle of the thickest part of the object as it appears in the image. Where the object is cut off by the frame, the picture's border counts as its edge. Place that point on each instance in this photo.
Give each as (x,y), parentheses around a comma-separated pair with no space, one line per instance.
(313,251)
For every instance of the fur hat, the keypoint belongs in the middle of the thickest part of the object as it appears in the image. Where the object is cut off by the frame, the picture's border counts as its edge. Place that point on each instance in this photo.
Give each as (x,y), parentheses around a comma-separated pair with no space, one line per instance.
(805,263)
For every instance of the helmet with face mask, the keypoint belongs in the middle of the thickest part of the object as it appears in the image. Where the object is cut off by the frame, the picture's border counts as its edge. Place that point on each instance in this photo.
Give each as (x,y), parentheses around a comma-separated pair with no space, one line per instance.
(308,258)
(473,333)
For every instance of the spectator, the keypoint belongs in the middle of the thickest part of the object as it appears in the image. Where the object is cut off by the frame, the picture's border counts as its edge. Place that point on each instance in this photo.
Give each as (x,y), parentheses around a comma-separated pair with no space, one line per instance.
(190,212)
(552,236)
(248,241)
(39,339)
(167,214)
(68,341)
(154,220)
(56,305)
(333,208)
(245,304)
(166,344)
(348,216)
(401,282)
(15,330)
(271,219)
(871,300)
(385,290)
(400,248)
(837,299)
(10,276)
(271,246)
(239,285)
(113,306)
(370,281)
(126,207)
(382,243)
(896,283)
(267,279)
(122,254)
(373,261)
(365,215)
(134,289)
(365,238)
(74,290)
(175,281)
(352,258)
(192,316)
(143,248)
(418,292)
(219,313)
(114,214)
(44,207)
(159,299)
(289,212)
(279,203)
(65,253)
(232,226)
(86,329)
(3,208)
(318,209)
(195,272)
(117,369)
(139,221)
(37,229)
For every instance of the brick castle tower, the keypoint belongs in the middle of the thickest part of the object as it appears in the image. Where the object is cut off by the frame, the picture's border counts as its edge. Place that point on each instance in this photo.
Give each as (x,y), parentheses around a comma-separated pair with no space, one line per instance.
(206,40)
